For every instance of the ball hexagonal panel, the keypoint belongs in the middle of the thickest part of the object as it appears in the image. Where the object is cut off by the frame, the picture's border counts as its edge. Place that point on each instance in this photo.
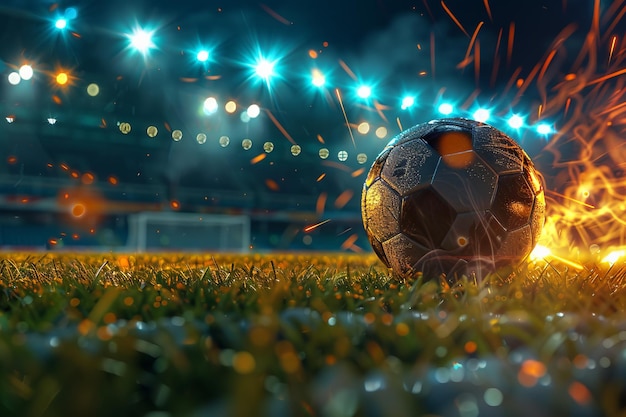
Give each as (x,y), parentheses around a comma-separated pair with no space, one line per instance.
(426,217)
(513,202)
(409,166)
(498,150)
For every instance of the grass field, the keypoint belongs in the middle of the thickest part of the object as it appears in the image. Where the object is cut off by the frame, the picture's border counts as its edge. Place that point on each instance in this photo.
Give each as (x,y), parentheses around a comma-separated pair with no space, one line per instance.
(313,335)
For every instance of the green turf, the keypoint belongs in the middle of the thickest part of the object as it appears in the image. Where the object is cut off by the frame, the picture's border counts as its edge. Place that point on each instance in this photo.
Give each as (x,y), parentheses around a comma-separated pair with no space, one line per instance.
(319,335)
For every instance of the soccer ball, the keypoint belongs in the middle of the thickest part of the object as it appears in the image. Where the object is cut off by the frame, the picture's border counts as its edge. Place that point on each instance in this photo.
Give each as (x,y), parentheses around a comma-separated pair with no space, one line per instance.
(454,197)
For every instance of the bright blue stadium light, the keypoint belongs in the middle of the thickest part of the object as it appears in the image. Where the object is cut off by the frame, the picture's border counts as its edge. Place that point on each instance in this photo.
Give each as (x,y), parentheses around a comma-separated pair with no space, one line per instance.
(364,91)
(516,121)
(264,68)
(317,78)
(544,129)
(482,115)
(60,23)
(141,40)
(445,108)
(408,102)
(202,55)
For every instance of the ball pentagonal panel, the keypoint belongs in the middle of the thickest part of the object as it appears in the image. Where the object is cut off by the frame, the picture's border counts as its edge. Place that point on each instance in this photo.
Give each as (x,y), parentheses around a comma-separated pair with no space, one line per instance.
(426,217)
(498,150)
(469,188)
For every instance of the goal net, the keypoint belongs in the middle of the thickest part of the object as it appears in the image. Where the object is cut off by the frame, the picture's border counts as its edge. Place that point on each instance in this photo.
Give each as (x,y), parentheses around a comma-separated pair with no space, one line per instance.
(154,231)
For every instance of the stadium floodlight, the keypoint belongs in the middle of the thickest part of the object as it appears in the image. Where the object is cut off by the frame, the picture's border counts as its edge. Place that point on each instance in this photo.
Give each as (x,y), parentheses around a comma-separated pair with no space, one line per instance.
(264,68)
(26,72)
(544,129)
(317,78)
(516,121)
(60,23)
(202,55)
(364,91)
(407,102)
(445,108)
(141,40)
(52,120)
(482,115)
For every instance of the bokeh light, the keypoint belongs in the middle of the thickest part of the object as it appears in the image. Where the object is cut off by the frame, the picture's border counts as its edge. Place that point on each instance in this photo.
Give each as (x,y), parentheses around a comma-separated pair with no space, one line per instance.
(295,150)
(230,107)
(224,141)
(210,105)
(342,155)
(201,138)
(14,78)
(177,135)
(93,89)
(323,153)
(246,144)
(268,147)
(253,111)
(26,72)
(544,129)
(152,131)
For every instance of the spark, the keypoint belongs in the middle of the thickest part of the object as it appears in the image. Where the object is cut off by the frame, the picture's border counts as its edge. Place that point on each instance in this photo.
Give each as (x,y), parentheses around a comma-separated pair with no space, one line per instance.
(337,165)
(347,69)
(496,60)
(477,63)
(321,177)
(379,109)
(472,42)
(320,203)
(399,124)
(486,3)
(432,54)
(430,13)
(258,158)
(511,40)
(343,198)
(358,172)
(612,49)
(345,116)
(349,242)
(280,127)
(320,139)
(607,77)
(307,229)
(272,185)
(276,15)
(453,17)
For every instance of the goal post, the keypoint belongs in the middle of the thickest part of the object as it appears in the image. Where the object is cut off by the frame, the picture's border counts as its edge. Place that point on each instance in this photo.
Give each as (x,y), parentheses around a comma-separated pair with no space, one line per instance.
(156,231)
